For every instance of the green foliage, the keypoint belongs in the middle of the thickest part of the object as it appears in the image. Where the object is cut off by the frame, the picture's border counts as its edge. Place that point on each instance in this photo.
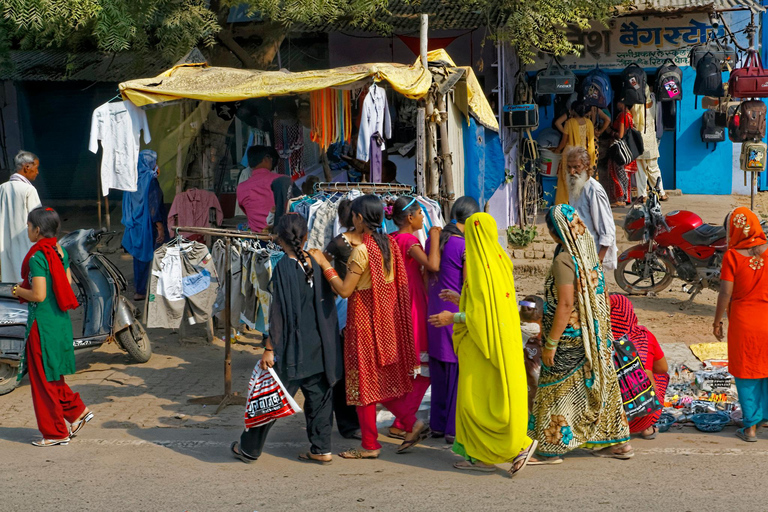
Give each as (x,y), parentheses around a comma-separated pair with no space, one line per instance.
(532,25)
(171,26)
(521,237)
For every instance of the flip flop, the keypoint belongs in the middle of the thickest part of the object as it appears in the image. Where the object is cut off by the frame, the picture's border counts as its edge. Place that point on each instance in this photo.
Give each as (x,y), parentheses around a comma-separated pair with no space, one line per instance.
(608,453)
(420,436)
(354,453)
(523,457)
(78,425)
(307,457)
(235,449)
(51,442)
(546,461)
(742,434)
(651,437)
(466,465)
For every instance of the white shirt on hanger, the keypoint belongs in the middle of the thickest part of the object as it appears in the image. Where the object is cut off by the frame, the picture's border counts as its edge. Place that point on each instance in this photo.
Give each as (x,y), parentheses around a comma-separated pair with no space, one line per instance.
(118,126)
(374,118)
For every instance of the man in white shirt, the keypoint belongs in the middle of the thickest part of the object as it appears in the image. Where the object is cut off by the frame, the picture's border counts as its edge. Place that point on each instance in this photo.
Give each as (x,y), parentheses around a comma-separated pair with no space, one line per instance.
(590,201)
(17,198)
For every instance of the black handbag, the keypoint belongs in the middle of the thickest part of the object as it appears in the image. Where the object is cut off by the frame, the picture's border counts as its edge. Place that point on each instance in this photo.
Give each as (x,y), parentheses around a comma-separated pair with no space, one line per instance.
(634,140)
(637,390)
(555,79)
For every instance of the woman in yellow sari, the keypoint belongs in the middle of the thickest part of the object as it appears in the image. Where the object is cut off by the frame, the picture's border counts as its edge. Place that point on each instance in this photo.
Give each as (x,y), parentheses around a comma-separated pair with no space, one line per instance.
(492,402)
(578,131)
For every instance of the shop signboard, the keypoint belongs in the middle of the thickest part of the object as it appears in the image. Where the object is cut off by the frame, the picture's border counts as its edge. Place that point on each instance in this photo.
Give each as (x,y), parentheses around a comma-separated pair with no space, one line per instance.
(648,41)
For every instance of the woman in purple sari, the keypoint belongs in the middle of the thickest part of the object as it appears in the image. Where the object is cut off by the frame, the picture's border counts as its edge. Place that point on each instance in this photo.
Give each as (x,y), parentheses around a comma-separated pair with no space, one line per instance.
(443,364)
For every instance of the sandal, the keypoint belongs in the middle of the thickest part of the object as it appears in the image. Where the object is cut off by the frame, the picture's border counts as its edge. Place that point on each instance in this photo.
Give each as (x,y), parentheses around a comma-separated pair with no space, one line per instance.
(742,434)
(522,459)
(51,442)
(421,435)
(651,436)
(235,449)
(396,433)
(354,453)
(665,197)
(466,465)
(545,461)
(79,424)
(609,453)
(307,457)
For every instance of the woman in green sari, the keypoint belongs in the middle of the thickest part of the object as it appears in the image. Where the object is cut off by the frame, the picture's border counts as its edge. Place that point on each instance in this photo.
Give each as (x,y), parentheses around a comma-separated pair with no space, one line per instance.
(578,402)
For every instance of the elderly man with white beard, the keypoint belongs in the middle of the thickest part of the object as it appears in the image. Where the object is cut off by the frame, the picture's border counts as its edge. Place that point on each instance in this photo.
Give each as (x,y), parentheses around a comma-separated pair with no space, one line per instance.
(591,202)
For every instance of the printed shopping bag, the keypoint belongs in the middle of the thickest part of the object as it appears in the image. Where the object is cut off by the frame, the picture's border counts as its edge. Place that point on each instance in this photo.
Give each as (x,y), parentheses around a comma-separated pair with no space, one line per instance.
(637,392)
(267,399)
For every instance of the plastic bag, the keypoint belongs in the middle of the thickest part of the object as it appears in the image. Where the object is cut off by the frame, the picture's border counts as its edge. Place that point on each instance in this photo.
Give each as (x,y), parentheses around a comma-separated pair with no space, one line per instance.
(267,399)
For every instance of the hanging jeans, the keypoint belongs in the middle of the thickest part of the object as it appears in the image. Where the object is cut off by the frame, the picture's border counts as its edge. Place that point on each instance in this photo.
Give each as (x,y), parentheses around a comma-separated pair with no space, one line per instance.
(54,402)
(318,411)
(376,157)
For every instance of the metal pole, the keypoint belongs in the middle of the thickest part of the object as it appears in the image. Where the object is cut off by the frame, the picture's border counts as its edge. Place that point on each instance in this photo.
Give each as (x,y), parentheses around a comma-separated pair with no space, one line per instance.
(751,29)
(228,320)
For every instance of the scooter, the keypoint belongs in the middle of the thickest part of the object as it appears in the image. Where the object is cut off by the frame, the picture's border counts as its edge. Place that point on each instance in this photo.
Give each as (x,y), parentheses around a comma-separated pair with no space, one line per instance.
(103,316)
(678,244)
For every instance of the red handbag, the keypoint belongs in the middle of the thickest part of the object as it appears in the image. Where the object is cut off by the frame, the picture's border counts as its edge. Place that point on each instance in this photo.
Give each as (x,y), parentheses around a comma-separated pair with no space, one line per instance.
(750,81)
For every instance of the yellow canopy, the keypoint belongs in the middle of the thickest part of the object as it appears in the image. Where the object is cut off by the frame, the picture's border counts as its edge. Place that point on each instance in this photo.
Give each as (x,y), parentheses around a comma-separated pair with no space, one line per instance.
(205,83)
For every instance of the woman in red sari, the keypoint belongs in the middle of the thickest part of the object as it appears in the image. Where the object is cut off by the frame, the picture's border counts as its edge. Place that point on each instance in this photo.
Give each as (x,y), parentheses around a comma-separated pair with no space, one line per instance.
(379,348)
(624,322)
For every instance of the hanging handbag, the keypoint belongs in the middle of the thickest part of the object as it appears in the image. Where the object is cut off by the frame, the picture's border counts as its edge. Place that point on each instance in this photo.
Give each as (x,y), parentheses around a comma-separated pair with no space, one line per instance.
(555,79)
(619,153)
(521,117)
(750,81)
(724,54)
(634,140)
(637,390)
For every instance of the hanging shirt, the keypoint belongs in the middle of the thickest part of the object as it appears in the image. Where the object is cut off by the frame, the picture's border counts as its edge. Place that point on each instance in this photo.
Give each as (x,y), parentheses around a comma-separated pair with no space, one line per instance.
(118,126)
(374,118)
(17,198)
(255,197)
(192,208)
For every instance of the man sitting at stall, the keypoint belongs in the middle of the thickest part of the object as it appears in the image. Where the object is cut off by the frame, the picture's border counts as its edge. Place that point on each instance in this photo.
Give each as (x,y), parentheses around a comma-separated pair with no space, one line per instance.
(254,195)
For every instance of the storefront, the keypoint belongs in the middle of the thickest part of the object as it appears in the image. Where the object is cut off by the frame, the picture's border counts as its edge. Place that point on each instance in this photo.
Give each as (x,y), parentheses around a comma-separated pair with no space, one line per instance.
(686,162)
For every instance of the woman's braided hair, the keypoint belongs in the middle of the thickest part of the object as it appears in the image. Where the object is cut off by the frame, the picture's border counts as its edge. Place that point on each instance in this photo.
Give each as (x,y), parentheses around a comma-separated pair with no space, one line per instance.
(292,229)
(372,211)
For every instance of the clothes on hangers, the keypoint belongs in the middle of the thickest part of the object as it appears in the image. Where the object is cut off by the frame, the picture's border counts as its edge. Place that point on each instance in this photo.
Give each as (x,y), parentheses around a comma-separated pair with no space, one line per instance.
(375,118)
(289,143)
(192,208)
(331,114)
(118,126)
(219,255)
(183,274)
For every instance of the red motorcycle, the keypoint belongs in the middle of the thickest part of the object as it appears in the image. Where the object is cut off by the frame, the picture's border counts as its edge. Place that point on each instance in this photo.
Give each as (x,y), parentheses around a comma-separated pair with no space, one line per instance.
(678,244)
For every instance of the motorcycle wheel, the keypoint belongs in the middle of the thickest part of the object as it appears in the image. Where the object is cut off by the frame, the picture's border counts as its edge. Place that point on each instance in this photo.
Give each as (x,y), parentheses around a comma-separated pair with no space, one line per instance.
(135,341)
(630,275)
(8,381)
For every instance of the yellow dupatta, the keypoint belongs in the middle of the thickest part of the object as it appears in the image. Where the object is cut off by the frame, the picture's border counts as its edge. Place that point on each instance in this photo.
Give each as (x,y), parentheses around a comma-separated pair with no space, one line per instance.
(492,402)
(574,139)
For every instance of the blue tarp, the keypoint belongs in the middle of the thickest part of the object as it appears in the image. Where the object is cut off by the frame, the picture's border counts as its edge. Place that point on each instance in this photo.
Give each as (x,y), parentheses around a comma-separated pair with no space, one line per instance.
(483,162)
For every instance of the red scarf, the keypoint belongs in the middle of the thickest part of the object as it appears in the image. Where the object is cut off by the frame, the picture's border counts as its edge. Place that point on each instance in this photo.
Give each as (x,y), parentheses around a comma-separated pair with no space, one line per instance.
(65,297)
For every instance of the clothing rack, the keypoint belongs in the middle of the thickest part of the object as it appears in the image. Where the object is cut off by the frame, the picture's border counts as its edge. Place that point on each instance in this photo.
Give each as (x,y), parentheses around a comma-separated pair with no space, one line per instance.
(363,187)
(228,398)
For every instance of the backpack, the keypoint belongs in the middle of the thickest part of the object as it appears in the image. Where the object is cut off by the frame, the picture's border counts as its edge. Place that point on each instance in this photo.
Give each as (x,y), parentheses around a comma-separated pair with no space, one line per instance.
(710,131)
(709,78)
(596,89)
(633,82)
(523,91)
(669,84)
(752,122)
(753,156)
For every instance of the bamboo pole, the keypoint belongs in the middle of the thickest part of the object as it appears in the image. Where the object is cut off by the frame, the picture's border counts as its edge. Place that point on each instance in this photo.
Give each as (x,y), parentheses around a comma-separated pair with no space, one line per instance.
(446,156)
(421,151)
(433,171)
(179,156)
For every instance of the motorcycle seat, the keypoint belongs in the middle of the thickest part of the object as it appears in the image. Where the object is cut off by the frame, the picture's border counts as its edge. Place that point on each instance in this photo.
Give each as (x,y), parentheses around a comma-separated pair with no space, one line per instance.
(6,291)
(706,234)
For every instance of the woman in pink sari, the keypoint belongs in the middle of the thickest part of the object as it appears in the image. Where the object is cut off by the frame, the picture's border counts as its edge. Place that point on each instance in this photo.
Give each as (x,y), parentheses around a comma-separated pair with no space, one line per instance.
(409,218)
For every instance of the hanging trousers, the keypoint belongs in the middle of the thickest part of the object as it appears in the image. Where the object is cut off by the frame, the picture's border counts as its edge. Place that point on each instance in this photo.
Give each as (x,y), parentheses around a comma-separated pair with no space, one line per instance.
(54,402)
(318,411)
(445,386)
(141,275)
(413,400)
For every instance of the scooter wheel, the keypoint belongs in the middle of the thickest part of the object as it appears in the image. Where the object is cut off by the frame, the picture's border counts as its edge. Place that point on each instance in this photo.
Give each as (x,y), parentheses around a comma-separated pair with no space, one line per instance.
(631,275)
(135,341)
